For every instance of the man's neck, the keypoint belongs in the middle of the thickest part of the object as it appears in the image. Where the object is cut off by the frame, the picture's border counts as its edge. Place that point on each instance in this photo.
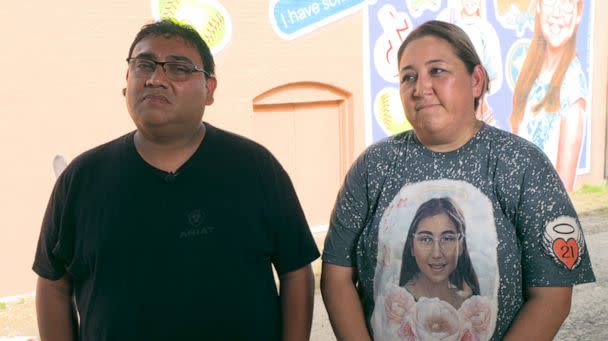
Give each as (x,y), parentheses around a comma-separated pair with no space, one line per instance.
(166,153)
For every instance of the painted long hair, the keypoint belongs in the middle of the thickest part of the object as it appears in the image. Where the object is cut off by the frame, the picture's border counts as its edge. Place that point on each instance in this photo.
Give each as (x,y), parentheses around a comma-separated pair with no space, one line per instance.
(464,272)
(531,69)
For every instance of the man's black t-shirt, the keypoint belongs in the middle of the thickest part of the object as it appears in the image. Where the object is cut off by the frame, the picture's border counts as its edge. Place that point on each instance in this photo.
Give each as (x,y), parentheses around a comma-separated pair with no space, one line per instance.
(184,256)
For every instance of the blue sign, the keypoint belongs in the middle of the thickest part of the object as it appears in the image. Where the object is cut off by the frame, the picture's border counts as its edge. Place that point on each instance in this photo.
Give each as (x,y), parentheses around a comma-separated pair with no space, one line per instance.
(293,18)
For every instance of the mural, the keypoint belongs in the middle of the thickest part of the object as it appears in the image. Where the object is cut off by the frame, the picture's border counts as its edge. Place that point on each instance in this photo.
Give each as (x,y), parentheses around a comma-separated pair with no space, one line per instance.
(208,17)
(537,56)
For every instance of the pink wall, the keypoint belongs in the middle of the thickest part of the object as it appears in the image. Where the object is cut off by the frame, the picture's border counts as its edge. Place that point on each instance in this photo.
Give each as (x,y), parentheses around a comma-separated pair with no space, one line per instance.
(65,96)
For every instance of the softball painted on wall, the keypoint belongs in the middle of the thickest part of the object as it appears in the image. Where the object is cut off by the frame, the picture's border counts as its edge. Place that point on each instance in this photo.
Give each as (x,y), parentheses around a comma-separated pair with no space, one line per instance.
(389,111)
(208,17)
(515,60)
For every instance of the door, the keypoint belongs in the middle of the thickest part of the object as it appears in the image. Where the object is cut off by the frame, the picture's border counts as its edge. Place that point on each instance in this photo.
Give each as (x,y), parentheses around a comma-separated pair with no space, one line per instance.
(306,139)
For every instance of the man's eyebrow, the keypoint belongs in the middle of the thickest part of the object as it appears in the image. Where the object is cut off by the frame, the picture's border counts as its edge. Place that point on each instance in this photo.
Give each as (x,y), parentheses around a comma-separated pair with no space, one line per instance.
(180,59)
(146,55)
(173,58)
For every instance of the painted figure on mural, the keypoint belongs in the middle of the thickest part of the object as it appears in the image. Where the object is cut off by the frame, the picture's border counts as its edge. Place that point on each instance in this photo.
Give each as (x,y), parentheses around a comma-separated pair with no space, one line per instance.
(436,261)
(549,99)
(470,15)
(515,14)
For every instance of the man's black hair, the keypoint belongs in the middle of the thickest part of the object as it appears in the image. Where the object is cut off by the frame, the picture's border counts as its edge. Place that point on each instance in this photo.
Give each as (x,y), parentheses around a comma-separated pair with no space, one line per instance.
(171,28)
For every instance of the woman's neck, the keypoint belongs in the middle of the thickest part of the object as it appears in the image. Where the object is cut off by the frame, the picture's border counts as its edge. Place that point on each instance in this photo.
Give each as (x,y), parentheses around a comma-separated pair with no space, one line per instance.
(428,288)
(449,144)
(422,287)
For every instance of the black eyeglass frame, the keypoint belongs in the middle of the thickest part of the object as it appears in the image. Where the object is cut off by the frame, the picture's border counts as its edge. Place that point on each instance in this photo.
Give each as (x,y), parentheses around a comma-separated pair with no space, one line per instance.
(194,68)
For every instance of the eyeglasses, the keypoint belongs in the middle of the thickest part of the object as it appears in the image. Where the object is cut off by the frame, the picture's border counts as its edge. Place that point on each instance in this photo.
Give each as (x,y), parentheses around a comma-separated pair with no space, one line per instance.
(447,241)
(175,71)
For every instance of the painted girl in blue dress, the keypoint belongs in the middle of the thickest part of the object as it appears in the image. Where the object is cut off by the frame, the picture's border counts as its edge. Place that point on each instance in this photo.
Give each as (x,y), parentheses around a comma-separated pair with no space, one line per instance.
(549,100)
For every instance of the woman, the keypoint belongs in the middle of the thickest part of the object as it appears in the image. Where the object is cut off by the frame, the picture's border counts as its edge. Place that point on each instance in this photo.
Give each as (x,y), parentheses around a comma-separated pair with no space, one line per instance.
(435,260)
(495,176)
(549,99)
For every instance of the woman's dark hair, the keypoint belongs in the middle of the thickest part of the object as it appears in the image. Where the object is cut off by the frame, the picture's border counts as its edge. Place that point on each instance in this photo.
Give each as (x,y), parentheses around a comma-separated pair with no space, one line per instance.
(171,28)
(464,272)
(458,39)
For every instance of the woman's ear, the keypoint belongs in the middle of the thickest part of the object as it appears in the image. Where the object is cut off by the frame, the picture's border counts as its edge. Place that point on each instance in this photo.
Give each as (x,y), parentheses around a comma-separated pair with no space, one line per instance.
(478,81)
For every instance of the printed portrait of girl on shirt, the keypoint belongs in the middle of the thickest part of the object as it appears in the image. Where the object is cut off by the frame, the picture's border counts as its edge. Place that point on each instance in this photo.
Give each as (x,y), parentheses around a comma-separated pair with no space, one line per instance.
(436,261)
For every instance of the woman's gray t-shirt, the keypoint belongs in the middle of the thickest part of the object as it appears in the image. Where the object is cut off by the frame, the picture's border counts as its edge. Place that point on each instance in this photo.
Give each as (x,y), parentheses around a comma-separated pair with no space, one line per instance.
(521,231)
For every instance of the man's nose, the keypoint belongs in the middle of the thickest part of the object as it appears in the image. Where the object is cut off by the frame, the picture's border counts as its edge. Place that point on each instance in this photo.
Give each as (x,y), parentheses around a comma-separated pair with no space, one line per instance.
(157,77)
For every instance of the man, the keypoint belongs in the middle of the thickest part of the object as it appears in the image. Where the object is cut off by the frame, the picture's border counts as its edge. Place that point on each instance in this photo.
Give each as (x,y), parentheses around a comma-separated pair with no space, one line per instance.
(170,232)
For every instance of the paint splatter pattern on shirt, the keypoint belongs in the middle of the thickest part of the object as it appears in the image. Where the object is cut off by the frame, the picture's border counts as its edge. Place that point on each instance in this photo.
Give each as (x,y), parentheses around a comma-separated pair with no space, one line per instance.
(514,204)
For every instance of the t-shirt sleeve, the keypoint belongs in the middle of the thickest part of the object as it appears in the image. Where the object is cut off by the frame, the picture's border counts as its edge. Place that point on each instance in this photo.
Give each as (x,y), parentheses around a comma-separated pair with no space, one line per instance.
(553,246)
(55,248)
(294,244)
(348,217)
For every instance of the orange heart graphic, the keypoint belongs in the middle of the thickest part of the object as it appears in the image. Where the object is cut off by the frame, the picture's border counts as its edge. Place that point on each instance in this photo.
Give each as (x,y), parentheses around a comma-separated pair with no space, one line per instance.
(566,251)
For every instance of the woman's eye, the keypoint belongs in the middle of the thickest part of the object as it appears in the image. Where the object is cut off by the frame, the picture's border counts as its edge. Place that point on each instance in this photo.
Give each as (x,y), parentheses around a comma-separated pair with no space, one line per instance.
(436,71)
(448,238)
(408,78)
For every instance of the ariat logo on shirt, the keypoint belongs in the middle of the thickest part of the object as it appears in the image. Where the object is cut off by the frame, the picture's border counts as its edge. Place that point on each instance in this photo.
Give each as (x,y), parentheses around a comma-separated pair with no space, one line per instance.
(196,217)
(196,221)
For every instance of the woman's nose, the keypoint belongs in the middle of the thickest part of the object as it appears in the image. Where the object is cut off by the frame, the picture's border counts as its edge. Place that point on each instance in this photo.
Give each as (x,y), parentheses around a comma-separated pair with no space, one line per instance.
(423,86)
(437,252)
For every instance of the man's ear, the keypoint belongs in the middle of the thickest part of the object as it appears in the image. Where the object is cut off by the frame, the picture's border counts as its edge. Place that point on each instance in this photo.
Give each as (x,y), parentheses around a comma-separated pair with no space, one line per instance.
(124,90)
(211,85)
(478,81)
